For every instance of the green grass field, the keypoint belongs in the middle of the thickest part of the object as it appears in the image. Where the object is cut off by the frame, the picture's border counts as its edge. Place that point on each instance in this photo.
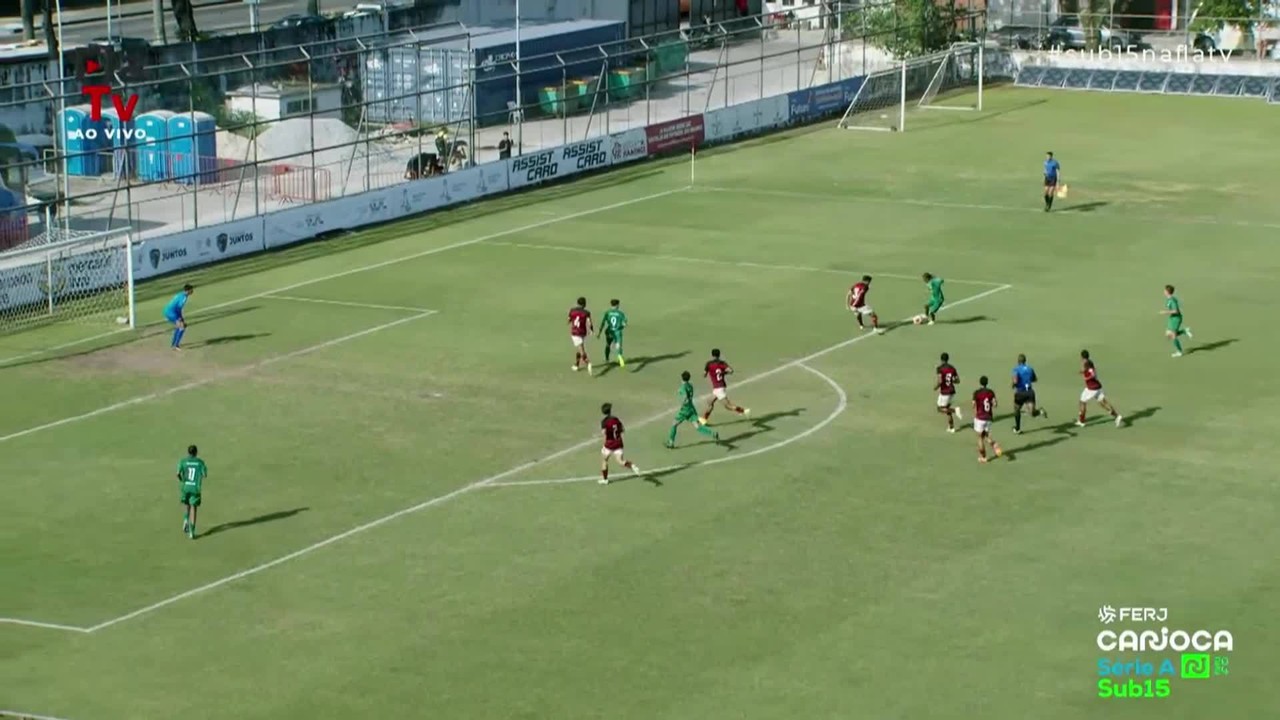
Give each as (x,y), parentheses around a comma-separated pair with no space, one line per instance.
(388,419)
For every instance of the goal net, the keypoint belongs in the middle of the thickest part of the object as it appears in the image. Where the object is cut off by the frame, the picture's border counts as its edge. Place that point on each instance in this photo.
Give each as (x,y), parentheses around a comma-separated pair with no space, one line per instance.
(946,80)
(86,280)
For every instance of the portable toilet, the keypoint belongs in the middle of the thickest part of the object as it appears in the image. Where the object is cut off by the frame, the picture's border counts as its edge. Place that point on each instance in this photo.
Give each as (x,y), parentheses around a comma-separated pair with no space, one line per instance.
(192,147)
(118,143)
(153,145)
(84,140)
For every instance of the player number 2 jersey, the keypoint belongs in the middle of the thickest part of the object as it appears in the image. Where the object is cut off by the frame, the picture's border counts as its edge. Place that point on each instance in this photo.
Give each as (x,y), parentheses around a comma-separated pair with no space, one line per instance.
(718,372)
(984,404)
(612,428)
(1090,374)
(579,321)
(858,295)
(947,379)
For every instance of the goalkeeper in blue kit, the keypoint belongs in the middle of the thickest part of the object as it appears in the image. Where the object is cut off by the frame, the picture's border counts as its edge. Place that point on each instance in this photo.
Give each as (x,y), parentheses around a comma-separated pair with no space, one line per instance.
(173,313)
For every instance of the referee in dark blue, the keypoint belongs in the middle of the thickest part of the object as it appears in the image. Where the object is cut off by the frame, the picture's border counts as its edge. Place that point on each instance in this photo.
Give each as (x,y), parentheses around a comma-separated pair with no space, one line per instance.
(1024,393)
(1051,168)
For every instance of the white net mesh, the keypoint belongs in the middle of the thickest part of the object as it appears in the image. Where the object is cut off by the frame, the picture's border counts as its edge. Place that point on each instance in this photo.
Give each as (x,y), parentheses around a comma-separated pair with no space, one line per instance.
(887,97)
(85,280)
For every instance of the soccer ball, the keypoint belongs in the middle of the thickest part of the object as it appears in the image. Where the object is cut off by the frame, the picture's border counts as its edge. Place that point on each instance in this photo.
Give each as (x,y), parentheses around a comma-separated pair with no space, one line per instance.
(918,320)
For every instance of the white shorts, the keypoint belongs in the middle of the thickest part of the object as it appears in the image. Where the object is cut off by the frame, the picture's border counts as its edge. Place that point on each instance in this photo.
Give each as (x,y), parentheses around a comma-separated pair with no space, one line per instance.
(607,452)
(720,393)
(578,340)
(1088,395)
(864,310)
(982,427)
(944,400)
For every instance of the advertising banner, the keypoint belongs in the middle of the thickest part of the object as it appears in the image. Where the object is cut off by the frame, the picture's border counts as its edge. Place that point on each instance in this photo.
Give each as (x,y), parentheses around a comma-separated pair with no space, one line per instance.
(628,146)
(157,256)
(537,167)
(31,277)
(682,133)
(297,224)
(728,123)
(822,101)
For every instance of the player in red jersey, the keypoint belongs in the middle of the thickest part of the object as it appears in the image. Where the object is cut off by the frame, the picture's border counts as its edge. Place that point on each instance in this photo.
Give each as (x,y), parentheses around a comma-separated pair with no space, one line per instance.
(718,371)
(1093,391)
(858,304)
(945,380)
(984,409)
(580,326)
(612,429)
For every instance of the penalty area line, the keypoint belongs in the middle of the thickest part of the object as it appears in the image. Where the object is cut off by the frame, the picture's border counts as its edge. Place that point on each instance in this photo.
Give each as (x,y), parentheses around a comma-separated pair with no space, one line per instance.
(478,484)
(236,372)
(841,404)
(42,625)
(373,266)
(730,263)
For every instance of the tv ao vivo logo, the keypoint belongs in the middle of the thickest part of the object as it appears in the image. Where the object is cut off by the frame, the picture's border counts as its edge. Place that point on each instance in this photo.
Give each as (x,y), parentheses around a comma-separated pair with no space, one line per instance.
(1198,654)
(124,107)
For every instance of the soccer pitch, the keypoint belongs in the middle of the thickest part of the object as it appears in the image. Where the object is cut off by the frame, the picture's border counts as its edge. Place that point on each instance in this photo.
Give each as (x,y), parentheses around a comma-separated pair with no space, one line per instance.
(401,519)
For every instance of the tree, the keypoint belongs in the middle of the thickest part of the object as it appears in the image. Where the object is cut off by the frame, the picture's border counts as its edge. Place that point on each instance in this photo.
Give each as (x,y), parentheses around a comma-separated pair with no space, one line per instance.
(157,22)
(185,16)
(1215,14)
(29,19)
(50,37)
(903,28)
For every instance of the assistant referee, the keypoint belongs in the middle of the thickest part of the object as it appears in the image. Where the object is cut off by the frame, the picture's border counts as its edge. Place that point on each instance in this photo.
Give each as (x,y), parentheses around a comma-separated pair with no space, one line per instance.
(1051,169)
(1024,392)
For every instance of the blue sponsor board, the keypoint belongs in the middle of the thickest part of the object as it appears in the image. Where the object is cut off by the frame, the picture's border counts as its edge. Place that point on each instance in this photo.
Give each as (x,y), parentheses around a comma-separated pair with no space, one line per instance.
(823,100)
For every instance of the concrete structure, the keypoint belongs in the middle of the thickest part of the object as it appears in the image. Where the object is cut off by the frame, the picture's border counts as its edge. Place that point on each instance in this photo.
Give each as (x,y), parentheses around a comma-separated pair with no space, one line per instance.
(286,100)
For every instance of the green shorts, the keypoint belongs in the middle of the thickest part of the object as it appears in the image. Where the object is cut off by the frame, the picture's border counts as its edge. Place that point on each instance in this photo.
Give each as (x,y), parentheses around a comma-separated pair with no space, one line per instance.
(189,498)
(688,413)
(1175,323)
(612,338)
(935,304)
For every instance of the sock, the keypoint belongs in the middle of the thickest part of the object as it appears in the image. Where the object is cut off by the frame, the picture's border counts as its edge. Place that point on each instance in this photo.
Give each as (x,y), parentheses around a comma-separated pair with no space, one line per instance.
(177,336)
(739,410)
(1048,201)
(1017,419)
(1114,413)
(1081,416)
(1177,344)
(627,464)
(671,436)
(706,430)
(604,474)
(951,418)
(982,453)
(606,353)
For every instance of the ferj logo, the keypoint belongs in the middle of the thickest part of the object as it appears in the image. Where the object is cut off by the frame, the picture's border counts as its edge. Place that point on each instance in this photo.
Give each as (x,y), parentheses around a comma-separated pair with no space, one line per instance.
(1200,654)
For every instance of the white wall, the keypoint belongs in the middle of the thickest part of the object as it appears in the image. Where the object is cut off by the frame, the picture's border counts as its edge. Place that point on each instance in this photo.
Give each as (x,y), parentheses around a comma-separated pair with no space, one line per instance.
(503,12)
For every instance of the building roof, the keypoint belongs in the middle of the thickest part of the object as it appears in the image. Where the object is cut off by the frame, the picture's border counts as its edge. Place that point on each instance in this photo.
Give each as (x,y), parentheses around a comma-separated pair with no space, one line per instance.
(265,91)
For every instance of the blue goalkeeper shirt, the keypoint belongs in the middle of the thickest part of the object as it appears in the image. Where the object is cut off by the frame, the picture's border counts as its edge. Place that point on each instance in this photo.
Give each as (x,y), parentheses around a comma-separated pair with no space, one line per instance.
(173,311)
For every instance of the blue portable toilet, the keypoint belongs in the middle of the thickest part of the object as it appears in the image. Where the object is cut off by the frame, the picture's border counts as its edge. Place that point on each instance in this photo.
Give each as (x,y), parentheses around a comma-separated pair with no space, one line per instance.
(118,143)
(153,145)
(84,139)
(193,147)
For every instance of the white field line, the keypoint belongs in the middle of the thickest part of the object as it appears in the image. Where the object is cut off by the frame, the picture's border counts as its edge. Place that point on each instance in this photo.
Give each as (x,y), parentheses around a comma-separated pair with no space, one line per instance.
(43,625)
(1176,220)
(374,266)
(843,402)
(731,263)
(243,370)
(343,303)
(478,484)
(25,716)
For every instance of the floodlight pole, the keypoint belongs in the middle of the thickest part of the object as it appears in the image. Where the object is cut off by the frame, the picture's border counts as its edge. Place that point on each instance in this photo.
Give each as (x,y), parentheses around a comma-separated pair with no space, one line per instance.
(519,100)
(60,129)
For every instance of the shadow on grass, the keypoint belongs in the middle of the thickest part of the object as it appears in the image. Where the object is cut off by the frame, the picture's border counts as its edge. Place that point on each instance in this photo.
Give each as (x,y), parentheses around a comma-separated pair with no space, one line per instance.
(227,339)
(967,320)
(759,426)
(1084,207)
(269,517)
(1210,347)
(635,365)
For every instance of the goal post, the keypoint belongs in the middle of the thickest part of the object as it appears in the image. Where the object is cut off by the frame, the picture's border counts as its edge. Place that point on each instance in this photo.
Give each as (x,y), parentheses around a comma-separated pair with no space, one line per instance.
(86,281)
(950,79)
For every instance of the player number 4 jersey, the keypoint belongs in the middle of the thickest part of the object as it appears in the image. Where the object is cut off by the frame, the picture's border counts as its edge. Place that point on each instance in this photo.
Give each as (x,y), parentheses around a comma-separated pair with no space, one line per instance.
(612,428)
(579,321)
(718,372)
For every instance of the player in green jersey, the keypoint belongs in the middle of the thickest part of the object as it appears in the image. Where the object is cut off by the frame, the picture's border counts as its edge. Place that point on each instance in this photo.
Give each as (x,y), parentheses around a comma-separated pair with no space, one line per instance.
(1174,329)
(191,474)
(936,298)
(612,325)
(688,412)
